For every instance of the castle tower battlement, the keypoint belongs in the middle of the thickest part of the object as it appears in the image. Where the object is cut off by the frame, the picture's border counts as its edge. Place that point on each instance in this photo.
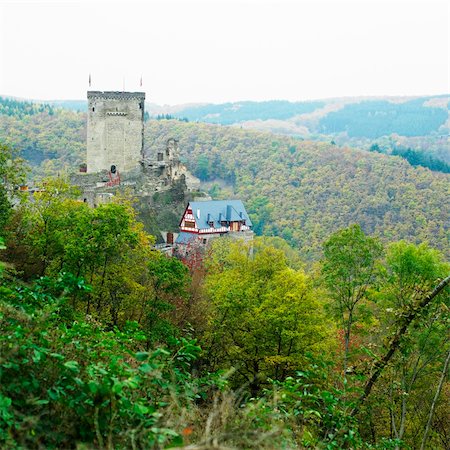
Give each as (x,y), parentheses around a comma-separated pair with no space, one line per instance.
(115,130)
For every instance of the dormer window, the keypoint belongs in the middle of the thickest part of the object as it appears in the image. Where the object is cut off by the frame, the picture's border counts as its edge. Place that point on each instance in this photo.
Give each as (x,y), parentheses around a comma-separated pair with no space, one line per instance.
(210,221)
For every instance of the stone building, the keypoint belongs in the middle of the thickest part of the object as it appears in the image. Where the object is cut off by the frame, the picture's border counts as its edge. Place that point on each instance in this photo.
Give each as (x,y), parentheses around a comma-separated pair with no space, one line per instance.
(117,162)
(115,130)
(163,164)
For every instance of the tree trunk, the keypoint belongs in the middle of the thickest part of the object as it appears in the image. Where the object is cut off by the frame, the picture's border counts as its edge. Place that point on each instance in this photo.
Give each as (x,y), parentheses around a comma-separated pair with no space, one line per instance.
(347,342)
(435,399)
(403,324)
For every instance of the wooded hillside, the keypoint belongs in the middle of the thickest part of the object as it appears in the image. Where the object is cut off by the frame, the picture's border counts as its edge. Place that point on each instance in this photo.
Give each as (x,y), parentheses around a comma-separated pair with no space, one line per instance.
(304,190)
(297,189)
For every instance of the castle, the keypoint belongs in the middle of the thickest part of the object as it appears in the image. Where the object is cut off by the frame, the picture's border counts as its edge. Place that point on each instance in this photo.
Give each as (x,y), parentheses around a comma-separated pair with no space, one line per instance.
(115,152)
(116,160)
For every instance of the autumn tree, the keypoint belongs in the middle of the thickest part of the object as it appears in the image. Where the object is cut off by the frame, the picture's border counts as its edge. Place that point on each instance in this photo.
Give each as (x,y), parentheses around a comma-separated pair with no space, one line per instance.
(264,315)
(407,388)
(349,269)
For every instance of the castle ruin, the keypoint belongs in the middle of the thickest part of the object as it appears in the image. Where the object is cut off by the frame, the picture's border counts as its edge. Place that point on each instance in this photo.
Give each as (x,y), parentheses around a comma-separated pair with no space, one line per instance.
(116,160)
(115,130)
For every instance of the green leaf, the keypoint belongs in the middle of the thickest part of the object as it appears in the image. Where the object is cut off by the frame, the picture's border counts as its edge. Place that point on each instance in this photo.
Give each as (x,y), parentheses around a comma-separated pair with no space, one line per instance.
(72,365)
(142,356)
(37,356)
(141,409)
(117,388)
(146,368)
(93,387)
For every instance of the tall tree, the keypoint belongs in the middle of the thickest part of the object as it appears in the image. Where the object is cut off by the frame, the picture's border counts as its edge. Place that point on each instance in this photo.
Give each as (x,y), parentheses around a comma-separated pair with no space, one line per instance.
(411,271)
(349,269)
(264,315)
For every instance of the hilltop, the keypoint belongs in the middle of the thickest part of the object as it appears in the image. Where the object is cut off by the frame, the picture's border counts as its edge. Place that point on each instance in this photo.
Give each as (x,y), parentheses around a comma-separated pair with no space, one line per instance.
(301,190)
(415,128)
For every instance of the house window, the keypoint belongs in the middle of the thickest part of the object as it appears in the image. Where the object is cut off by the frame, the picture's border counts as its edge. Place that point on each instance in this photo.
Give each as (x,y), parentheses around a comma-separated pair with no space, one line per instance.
(211,224)
(93,109)
(204,241)
(188,224)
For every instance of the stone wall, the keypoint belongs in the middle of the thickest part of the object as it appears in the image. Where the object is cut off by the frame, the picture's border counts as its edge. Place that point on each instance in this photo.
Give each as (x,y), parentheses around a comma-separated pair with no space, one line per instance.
(115,130)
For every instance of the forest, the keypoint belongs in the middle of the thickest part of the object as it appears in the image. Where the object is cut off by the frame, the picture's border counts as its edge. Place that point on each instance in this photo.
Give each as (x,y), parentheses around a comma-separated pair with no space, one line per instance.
(395,125)
(108,344)
(304,190)
(300,190)
(330,331)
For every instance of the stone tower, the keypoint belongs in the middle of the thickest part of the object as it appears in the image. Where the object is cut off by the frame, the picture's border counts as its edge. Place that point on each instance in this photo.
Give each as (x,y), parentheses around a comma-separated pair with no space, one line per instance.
(115,130)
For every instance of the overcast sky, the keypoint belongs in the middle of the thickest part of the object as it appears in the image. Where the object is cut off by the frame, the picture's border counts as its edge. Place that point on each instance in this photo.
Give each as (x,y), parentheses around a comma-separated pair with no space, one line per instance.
(224,50)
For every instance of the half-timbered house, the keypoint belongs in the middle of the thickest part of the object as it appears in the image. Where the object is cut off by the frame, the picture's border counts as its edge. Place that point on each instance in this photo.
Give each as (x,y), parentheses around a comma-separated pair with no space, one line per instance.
(202,221)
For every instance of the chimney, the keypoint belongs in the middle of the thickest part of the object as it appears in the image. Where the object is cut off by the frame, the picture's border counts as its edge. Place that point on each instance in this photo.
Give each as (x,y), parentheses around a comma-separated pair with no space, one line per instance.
(229,212)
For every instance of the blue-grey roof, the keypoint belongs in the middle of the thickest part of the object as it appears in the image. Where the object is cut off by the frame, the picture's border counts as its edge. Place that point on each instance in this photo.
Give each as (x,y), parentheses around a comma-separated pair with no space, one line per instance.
(217,211)
(185,238)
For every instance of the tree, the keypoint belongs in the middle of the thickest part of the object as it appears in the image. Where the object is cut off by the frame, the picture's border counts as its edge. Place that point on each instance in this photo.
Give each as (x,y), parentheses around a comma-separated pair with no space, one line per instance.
(349,269)
(264,315)
(411,272)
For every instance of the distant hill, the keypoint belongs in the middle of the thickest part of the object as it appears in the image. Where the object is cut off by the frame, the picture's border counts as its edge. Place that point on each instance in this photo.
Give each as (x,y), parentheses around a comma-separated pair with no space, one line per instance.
(395,125)
(301,190)
(72,105)
(18,108)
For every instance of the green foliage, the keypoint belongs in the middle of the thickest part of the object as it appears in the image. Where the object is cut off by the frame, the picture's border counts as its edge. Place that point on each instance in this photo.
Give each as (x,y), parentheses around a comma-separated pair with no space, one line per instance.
(264,315)
(405,392)
(67,382)
(5,208)
(416,158)
(49,142)
(12,173)
(73,376)
(349,269)
(349,265)
(318,411)
(169,279)
(311,192)
(92,353)
(378,118)
(168,117)
(20,108)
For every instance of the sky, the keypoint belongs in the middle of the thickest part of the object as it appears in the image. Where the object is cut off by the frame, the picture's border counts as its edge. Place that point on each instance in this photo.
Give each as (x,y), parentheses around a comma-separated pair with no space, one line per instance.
(224,50)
